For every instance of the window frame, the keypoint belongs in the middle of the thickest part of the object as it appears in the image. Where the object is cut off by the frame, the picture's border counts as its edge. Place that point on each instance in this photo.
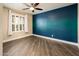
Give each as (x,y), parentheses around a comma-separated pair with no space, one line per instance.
(21,21)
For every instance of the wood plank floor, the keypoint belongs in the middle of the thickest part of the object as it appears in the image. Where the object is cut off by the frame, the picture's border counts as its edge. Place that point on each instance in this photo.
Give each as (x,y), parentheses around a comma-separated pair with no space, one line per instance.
(35,46)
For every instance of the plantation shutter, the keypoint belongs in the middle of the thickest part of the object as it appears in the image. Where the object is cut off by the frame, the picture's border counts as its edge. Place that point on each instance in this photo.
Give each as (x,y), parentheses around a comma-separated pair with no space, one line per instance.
(10,22)
(26,23)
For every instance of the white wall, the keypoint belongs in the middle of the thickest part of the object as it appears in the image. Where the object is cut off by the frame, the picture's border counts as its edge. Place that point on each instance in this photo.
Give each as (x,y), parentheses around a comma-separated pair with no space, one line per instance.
(1,36)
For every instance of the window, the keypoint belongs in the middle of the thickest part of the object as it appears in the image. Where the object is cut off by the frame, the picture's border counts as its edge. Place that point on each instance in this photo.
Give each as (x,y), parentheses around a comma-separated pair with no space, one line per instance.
(17,22)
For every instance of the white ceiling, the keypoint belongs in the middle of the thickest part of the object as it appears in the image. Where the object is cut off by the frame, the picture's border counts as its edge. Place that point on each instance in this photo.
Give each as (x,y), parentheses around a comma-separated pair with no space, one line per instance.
(44,6)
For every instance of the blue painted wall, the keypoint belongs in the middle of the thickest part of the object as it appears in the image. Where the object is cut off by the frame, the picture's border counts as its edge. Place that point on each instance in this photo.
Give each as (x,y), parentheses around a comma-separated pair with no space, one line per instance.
(61,23)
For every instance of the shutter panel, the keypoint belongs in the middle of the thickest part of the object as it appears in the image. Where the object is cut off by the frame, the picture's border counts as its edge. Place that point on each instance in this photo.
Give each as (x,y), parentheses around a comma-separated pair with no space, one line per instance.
(10,23)
(26,23)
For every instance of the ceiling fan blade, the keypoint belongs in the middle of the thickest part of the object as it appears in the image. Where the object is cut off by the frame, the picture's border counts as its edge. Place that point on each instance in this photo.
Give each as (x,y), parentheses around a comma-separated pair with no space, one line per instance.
(32,4)
(36,4)
(25,8)
(38,9)
(32,10)
(27,5)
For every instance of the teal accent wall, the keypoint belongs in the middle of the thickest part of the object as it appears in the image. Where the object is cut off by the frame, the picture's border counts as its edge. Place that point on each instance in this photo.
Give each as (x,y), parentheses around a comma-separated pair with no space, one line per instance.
(61,23)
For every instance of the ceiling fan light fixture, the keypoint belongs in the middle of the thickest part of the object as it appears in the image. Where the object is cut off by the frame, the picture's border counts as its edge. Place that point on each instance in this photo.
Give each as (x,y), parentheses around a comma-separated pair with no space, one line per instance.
(31,8)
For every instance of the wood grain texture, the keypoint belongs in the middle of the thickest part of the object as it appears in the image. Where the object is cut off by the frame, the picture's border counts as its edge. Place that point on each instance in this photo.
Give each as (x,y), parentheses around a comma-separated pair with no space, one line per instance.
(35,46)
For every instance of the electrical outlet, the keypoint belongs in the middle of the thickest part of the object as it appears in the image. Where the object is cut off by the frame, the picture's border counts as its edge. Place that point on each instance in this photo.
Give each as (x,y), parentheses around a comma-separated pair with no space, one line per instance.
(52,35)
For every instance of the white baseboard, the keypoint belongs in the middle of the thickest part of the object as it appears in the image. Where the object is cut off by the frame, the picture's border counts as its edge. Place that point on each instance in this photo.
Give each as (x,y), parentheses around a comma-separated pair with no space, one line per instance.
(16,38)
(67,42)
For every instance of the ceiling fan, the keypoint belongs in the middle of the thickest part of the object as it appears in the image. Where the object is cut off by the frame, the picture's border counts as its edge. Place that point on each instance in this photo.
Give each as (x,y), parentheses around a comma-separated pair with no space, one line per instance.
(32,7)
